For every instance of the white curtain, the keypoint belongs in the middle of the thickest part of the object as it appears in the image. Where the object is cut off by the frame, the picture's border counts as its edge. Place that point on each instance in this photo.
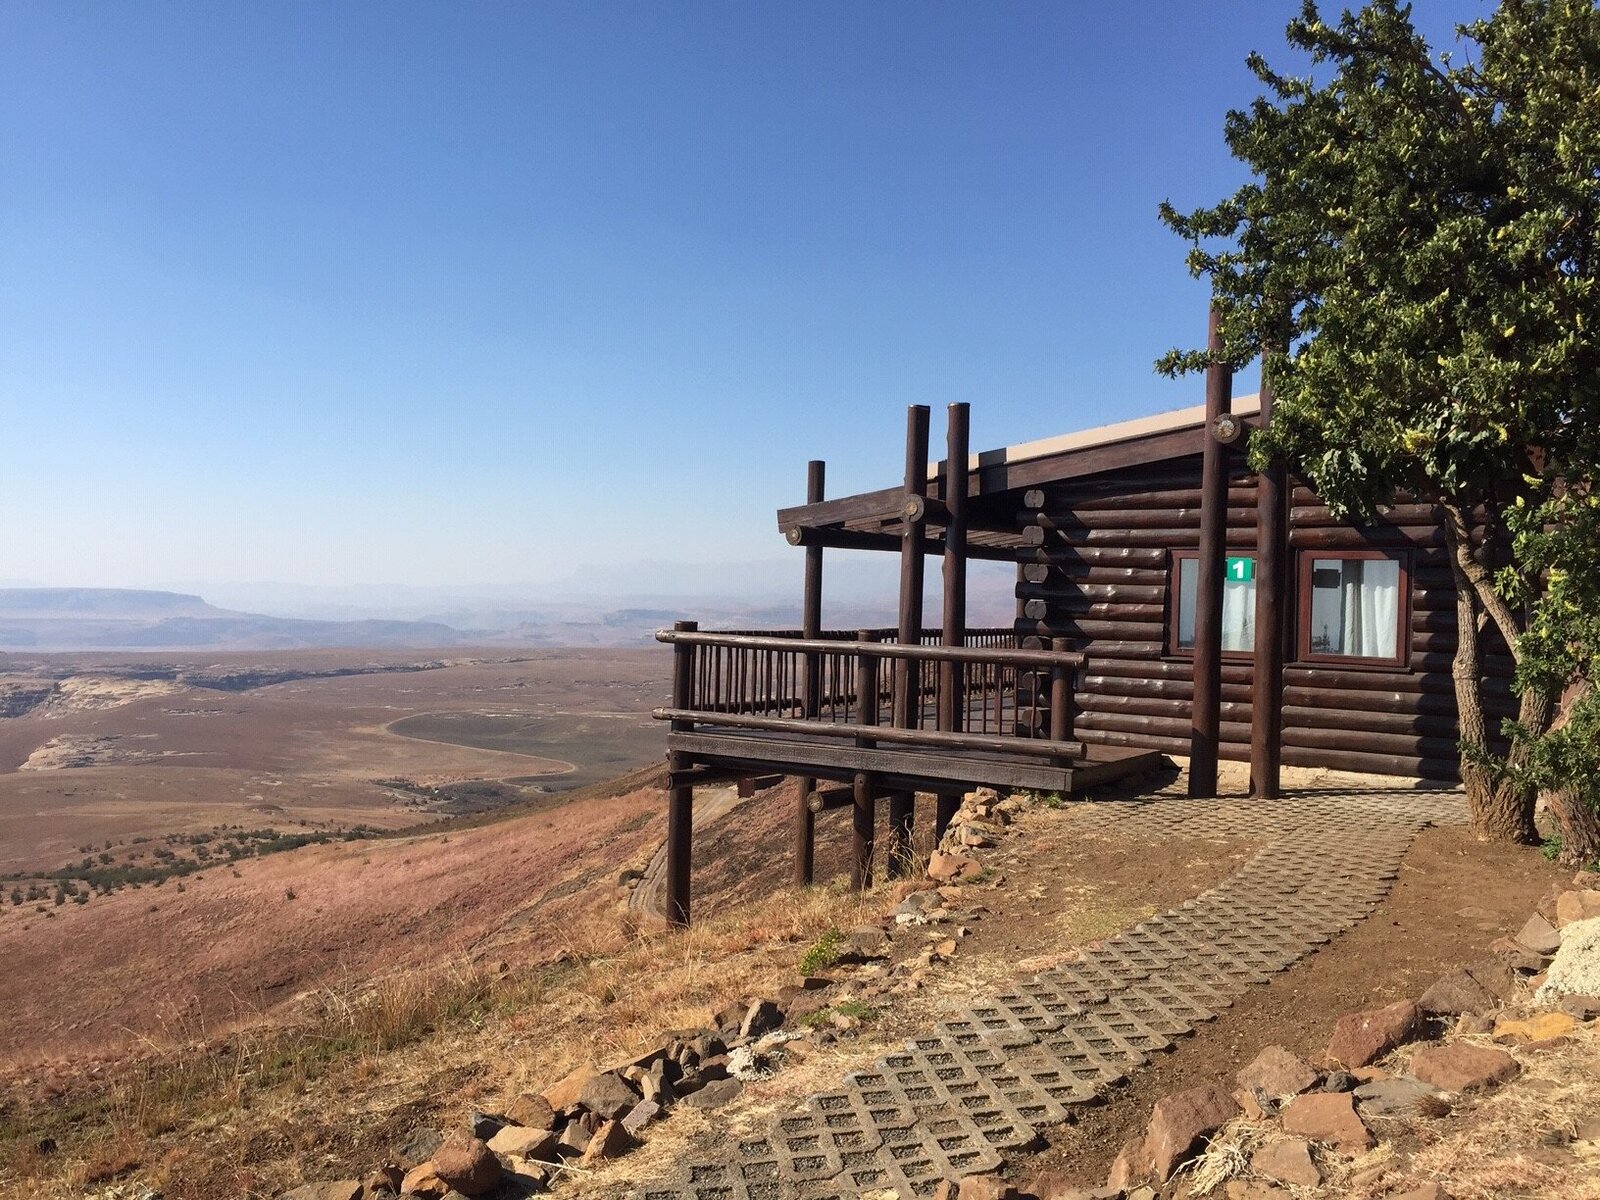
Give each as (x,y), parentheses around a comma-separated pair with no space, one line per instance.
(1379,609)
(1239,616)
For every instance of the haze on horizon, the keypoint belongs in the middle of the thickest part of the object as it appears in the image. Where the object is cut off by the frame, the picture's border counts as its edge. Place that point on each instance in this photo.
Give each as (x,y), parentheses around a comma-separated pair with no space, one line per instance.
(513,295)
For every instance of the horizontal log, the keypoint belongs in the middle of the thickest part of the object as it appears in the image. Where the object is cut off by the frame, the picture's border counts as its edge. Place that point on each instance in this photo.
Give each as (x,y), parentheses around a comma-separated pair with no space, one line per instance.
(1175,727)
(1132,496)
(1234,708)
(1346,538)
(824,799)
(1319,737)
(1058,554)
(1373,720)
(1115,595)
(1441,703)
(1079,606)
(994,655)
(1444,770)
(1128,518)
(1101,691)
(1062,574)
(1164,539)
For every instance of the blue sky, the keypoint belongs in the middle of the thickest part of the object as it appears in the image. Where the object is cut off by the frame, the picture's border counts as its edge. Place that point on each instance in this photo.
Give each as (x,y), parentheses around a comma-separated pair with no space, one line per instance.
(468,294)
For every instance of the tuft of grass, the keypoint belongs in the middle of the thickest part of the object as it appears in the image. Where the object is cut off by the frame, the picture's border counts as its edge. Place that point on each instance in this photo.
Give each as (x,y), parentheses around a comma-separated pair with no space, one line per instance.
(824,952)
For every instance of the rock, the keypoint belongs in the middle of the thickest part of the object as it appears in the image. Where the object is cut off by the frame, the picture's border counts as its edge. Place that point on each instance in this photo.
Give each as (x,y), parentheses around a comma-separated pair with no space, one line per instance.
(606,1095)
(1585,1008)
(763,1016)
(1576,968)
(344,1189)
(1475,989)
(1179,1123)
(985,1187)
(714,1094)
(1053,1185)
(532,1111)
(422,1180)
(1330,1118)
(610,1140)
(1251,1189)
(1255,1105)
(563,1094)
(1517,956)
(1541,1028)
(1287,1161)
(482,1125)
(1397,1097)
(1578,905)
(387,1177)
(1463,1067)
(574,1140)
(729,1017)
(945,867)
(1278,1073)
(467,1165)
(1539,935)
(1131,1166)
(640,1115)
(1359,1038)
(1339,1081)
(419,1147)
(525,1142)
(1428,1191)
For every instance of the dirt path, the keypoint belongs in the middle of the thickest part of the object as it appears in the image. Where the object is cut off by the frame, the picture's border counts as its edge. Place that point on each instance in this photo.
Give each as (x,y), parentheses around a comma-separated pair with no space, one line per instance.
(650,892)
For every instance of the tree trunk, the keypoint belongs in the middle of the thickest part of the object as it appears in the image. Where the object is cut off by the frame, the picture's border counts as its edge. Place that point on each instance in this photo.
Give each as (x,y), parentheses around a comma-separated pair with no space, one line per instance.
(1579,825)
(1498,808)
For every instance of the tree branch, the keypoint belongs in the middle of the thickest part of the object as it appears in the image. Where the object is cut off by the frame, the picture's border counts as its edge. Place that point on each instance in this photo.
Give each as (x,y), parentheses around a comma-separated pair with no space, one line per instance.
(1494,604)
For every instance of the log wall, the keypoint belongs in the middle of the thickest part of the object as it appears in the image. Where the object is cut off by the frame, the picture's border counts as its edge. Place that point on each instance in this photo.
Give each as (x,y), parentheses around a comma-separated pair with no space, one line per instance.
(1096,568)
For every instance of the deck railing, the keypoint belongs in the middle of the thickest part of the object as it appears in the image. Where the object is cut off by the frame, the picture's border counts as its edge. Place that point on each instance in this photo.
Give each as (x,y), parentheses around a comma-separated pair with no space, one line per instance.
(991,697)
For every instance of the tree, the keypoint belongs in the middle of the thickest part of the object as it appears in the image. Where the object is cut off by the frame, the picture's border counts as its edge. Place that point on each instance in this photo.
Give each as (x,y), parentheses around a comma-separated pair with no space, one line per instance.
(1414,259)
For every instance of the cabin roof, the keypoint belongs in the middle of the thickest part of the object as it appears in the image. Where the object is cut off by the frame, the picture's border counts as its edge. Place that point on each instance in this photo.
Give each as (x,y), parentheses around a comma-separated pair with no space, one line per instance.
(1012,469)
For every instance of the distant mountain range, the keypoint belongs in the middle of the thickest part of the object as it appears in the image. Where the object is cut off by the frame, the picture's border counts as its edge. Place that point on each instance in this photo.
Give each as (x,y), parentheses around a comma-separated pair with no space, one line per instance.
(41,619)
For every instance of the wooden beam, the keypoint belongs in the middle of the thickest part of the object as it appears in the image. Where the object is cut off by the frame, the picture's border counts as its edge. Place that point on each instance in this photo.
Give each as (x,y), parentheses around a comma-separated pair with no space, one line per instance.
(805,834)
(1206,708)
(907,675)
(823,800)
(987,743)
(865,820)
(1272,626)
(680,843)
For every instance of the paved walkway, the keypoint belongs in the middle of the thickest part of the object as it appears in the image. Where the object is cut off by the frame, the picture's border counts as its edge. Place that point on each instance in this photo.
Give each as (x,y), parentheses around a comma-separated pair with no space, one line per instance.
(973,1090)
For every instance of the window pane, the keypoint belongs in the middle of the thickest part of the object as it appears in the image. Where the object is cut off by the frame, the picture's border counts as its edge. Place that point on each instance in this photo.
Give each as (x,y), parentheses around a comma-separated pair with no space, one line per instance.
(1238,604)
(1355,607)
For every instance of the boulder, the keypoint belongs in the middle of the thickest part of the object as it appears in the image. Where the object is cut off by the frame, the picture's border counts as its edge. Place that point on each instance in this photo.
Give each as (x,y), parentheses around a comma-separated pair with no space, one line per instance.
(1578,905)
(1180,1124)
(1130,1168)
(946,868)
(1539,935)
(1277,1072)
(985,1187)
(423,1180)
(467,1165)
(1397,1097)
(1287,1161)
(1517,956)
(640,1115)
(763,1016)
(531,1110)
(419,1147)
(1359,1038)
(1479,988)
(1463,1067)
(563,1094)
(1329,1118)
(1585,1008)
(525,1142)
(606,1095)
(714,1094)
(610,1140)
(1540,1028)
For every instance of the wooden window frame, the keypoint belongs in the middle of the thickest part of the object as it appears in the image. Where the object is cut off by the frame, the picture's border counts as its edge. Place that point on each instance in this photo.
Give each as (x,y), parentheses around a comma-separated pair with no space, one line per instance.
(1174,596)
(1302,611)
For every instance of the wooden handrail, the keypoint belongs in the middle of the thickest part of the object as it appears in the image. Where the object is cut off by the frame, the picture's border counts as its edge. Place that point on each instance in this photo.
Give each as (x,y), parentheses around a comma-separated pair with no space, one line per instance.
(974,654)
(1030,747)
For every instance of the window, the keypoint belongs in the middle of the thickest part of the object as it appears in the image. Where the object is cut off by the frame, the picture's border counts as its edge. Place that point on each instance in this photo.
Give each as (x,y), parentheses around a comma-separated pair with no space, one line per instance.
(1238,603)
(1353,607)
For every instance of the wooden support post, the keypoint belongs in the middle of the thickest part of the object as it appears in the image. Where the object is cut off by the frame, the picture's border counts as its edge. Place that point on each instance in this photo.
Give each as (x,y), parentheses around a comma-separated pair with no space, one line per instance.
(907,691)
(680,799)
(952,683)
(1061,698)
(902,822)
(1271,632)
(1206,708)
(805,825)
(865,819)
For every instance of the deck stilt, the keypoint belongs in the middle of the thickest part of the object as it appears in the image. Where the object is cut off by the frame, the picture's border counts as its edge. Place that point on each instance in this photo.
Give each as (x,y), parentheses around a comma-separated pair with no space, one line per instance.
(866,815)
(1272,558)
(805,825)
(680,842)
(1206,708)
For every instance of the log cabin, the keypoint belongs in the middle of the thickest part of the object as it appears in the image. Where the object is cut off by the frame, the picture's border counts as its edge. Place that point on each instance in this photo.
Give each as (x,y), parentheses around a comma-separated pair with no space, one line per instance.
(1169,600)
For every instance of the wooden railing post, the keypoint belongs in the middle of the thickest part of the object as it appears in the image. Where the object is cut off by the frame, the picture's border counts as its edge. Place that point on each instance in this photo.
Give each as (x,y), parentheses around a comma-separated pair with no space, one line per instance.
(1272,557)
(864,815)
(952,675)
(1061,698)
(805,826)
(680,797)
